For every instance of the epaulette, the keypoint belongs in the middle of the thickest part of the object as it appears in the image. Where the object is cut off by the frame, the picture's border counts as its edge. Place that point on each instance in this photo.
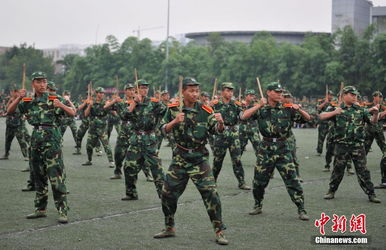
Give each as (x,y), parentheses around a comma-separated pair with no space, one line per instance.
(129,102)
(238,103)
(215,102)
(207,108)
(154,100)
(171,105)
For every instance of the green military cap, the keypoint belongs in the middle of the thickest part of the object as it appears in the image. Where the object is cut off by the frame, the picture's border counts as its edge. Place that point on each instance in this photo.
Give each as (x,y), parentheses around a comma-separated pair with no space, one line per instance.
(227,85)
(142,82)
(129,86)
(66,92)
(99,90)
(204,93)
(190,81)
(350,89)
(275,86)
(38,75)
(378,93)
(164,92)
(51,85)
(249,92)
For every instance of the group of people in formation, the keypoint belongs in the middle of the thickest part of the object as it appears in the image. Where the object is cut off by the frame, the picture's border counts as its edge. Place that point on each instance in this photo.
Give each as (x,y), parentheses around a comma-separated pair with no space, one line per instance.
(189,123)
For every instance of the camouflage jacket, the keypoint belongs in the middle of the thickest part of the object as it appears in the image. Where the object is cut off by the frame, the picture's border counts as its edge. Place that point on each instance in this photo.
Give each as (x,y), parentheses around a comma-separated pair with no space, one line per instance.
(277,122)
(67,119)
(324,109)
(250,121)
(121,109)
(15,119)
(98,115)
(230,111)
(41,111)
(146,115)
(349,126)
(194,131)
(379,125)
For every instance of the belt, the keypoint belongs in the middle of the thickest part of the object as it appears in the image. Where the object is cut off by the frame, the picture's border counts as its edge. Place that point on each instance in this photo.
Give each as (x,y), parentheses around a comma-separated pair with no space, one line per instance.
(43,126)
(228,127)
(274,139)
(189,150)
(142,132)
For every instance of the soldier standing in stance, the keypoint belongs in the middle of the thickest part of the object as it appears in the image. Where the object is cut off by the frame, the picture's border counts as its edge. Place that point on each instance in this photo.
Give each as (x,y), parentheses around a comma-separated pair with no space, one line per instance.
(230,111)
(45,112)
(97,112)
(190,128)
(144,113)
(323,127)
(69,121)
(350,120)
(275,123)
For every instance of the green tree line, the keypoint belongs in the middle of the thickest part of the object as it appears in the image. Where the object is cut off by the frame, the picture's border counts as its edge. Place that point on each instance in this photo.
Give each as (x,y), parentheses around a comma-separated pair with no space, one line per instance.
(303,69)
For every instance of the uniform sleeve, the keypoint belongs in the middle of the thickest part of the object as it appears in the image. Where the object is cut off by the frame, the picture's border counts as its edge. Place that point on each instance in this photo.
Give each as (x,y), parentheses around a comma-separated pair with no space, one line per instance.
(212,125)
(161,109)
(366,116)
(165,120)
(22,107)
(297,117)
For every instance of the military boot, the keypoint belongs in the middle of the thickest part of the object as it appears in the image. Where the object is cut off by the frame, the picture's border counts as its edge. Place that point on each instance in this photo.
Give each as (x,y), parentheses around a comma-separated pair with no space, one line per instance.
(116,177)
(326,169)
(77,152)
(166,233)
(87,163)
(111,164)
(303,216)
(329,195)
(373,198)
(381,186)
(130,198)
(256,210)
(37,214)
(350,171)
(5,156)
(28,189)
(149,178)
(25,170)
(244,187)
(220,239)
(99,153)
(63,218)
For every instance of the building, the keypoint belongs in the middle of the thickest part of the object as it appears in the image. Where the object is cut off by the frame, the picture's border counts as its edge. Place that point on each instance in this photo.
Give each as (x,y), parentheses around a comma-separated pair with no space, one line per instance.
(293,37)
(354,13)
(378,18)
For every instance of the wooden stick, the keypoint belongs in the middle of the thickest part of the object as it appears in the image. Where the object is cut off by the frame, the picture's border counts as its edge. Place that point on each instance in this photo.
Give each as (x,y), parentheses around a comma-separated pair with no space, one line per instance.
(340,92)
(23,77)
(116,85)
(326,92)
(214,88)
(180,92)
(259,87)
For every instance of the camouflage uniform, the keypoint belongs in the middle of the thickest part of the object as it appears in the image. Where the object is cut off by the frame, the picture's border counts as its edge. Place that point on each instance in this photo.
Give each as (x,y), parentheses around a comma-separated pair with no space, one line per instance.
(113,120)
(69,121)
(190,160)
(97,130)
(228,139)
(349,143)
(46,153)
(323,128)
(249,131)
(143,145)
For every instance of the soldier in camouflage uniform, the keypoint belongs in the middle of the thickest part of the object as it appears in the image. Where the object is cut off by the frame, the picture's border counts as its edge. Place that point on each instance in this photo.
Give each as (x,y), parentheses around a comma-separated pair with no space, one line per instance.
(248,128)
(205,99)
(44,113)
(69,121)
(230,111)
(120,106)
(165,99)
(190,128)
(275,122)
(375,131)
(144,114)
(15,126)
(323,125)
(350,119)
(97,112)
(113,120)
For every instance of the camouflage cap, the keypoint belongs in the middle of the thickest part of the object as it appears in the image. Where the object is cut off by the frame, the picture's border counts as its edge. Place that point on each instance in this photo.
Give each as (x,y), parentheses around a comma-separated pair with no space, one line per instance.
(227,85)
(51,85)
(350,89)
(204,93)
(38,75)
(275,86)
(128,86)
(378,93)
(99,90)
(142,82)
(163,92)
(66,92)
(190,81)
(250,92)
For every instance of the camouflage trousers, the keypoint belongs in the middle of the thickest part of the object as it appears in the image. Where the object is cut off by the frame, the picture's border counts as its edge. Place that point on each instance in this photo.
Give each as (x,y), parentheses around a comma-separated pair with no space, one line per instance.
(329,150)
(47,164)
(249,133)
(110,127)
(279,155)
(344,154)
(229,140)
(31,180)
(94,137)
(138,156)
(120,152)
(22,137)
(292,143)
(73,128)
(198,170)
(322,133)
(377,134)
(81,132)
(383,168)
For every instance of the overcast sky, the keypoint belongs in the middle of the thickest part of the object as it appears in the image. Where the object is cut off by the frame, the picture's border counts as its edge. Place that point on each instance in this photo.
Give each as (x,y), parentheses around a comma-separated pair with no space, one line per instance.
(50,23)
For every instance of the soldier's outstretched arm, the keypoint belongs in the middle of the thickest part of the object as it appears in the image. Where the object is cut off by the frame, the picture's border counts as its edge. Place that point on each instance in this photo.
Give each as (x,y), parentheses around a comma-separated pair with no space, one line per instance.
(69,110)
(12,106)
(328,115)
(249,112)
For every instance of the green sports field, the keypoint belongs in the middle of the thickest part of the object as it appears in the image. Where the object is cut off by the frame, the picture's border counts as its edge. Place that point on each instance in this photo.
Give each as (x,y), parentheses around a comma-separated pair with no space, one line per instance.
(98,219)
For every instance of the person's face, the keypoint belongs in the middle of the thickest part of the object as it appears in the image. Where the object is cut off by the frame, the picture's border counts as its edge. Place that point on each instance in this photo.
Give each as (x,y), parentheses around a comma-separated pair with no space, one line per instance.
(275,95)
(191,93)
(100,95)
(287,100)
(39,85)
(143,90)
(227,93)
(349,98)
(129,92)
(204,99)
(250,97)
(157,95)
(165,97)
(377,99)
